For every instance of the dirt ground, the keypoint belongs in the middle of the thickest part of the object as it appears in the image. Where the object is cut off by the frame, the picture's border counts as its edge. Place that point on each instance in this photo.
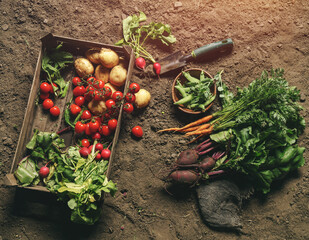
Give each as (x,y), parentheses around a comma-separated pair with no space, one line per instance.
(267,34)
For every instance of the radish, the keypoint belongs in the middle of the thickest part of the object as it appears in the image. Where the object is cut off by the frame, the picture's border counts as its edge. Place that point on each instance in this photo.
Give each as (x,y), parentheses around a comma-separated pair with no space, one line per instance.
(44,171)
(84,152)
(105,154)
(140,63)
(157,68)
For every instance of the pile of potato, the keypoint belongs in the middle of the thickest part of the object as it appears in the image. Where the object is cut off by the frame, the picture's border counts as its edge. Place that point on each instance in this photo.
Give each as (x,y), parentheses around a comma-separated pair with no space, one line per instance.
(110,68)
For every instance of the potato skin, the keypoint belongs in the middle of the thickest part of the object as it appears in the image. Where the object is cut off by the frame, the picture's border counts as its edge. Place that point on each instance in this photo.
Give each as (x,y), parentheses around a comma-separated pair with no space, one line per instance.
(108,57)
(118,76)
(143,98)
(83,67)
(93,55)
(102,73)
(97,107)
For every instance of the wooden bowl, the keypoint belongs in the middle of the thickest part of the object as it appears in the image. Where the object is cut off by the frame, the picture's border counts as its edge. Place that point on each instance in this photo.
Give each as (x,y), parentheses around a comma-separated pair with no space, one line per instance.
(194,72)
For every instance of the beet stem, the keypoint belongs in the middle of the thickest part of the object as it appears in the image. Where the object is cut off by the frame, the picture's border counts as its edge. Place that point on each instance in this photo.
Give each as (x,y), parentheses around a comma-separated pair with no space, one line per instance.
(214,173)
(205,146)
(201,144)
(63,130)
(217,155)
(208,150)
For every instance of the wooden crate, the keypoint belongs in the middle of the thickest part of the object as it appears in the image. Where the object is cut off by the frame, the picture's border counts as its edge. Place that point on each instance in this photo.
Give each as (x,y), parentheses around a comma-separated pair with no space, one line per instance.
(36,118)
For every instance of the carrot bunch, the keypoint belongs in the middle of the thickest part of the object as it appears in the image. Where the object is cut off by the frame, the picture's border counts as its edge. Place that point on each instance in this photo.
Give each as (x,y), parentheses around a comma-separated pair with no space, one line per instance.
(198,128)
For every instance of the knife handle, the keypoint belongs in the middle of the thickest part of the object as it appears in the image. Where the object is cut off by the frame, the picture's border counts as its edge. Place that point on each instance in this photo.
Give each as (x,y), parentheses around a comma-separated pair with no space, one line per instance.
(220,46)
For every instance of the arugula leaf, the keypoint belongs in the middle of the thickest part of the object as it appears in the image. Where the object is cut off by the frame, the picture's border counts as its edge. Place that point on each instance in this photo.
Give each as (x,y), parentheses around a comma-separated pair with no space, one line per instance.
(53,62)
(135,34)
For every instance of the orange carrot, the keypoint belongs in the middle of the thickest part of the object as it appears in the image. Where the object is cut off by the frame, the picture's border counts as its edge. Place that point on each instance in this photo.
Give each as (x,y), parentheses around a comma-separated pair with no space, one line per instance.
(203,131)
(198,122)
(168,130)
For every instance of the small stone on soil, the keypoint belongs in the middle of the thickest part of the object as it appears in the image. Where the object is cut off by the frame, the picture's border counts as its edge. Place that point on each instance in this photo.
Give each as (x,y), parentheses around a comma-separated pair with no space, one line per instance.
(178,4)
(5,27)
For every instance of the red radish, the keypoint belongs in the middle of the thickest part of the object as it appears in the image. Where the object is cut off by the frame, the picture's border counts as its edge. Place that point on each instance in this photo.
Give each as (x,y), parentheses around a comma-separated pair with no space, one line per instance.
(157,68)
(140,63)
(84,152)
(96,136)
(105,154)
(85,142)
(99,147)
(44,171)
(98,156)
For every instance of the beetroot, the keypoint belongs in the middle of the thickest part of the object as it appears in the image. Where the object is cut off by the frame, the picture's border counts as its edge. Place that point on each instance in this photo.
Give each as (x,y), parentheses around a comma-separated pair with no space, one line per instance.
(186,157)
(185,176)
(207,163)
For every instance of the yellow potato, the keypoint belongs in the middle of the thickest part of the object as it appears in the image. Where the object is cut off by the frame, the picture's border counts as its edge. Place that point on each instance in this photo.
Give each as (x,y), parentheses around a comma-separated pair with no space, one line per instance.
(102,73)
(97,107)
(118,75)
(108,57)
(83,67)
(93,55)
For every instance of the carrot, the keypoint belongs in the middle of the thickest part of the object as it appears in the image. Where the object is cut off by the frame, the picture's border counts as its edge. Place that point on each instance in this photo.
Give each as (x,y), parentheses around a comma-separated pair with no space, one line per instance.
(195,139)
(189,126)
(198,122)
(202,131)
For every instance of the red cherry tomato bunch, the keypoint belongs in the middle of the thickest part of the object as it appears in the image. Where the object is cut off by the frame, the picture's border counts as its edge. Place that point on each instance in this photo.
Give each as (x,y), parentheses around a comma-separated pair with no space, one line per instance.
(46,93)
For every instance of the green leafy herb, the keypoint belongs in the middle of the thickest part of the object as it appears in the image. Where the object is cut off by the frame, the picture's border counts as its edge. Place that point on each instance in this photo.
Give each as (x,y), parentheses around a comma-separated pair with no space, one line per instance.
(261,127)
(52,63)
(78,181)
(136,35)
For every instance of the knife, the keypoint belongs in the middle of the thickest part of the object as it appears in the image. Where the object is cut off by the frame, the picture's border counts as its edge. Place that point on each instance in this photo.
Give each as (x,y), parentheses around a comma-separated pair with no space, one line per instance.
(178,60)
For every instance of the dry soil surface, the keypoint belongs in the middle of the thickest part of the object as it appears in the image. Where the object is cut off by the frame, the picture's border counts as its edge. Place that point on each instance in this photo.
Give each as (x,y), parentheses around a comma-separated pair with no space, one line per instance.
(267,34)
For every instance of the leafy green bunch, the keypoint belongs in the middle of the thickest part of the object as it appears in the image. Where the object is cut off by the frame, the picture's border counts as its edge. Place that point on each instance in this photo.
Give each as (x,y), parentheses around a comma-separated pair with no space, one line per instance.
(261,125)
(135,34)
(78,181)
(53,62)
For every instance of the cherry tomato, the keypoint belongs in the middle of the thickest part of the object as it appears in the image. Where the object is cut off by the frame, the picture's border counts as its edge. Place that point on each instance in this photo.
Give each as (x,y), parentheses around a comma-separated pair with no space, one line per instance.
(107,91)
(99,147)
(128,107)
(76,81)
(80,127)
(89,91)
(117,96)
(45,87)
(105,154)
(97,95)
(105,130)
(101,84)
(55,111)
(94,126)
(79,91)
(91,80)
(130,97)
(47,104)
(112,124)
(44,96)
(110,104)
(96,135)
(85,142)
(87,129)
(79,101)
(75,109)
(86,115)
(137,131)
(134,87)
